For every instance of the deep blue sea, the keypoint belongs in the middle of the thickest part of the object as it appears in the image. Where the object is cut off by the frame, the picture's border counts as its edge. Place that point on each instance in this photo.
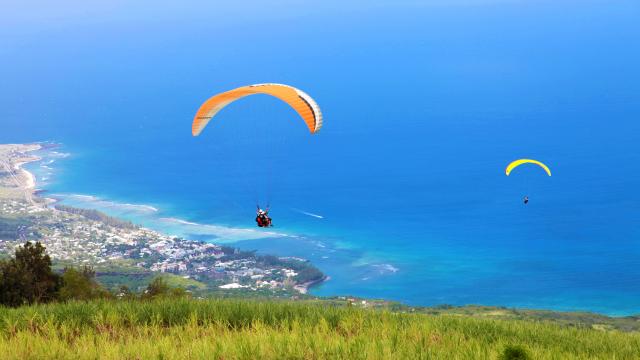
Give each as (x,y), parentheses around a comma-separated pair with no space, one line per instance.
(402,195)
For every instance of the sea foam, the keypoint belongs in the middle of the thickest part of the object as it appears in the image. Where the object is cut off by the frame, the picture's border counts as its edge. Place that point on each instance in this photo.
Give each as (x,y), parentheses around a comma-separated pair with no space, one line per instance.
(98,202)
(149,216)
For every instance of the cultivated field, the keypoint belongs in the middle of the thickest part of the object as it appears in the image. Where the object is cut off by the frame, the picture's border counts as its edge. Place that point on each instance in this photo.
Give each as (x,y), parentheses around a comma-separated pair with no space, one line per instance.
(242,329)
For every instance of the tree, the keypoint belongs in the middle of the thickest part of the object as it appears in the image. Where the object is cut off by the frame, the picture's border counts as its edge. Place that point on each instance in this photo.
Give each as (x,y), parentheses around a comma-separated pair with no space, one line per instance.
(12,282)
(81,285)
(156,288)
(27,277)
(159,288)
(125,293)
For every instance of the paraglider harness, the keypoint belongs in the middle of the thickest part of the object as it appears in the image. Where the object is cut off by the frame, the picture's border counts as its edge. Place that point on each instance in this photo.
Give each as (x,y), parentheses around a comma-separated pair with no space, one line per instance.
(263,218)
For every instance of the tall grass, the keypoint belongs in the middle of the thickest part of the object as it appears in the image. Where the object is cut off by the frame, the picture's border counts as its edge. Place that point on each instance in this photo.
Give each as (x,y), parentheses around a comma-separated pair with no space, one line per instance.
(236,329)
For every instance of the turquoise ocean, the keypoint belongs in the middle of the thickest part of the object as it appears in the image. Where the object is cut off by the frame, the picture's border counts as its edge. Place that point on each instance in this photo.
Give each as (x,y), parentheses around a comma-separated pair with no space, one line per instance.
(402,195)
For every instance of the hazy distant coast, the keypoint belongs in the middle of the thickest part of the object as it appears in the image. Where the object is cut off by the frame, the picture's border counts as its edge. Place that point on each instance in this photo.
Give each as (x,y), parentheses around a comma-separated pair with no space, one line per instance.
(16,181)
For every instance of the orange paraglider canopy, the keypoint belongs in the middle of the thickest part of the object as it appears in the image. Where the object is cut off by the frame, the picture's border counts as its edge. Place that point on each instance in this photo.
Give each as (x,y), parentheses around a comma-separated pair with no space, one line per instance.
(302,103)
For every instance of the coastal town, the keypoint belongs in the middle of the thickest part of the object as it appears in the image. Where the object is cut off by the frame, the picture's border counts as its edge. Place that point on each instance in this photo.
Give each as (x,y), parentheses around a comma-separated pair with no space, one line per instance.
(77,237)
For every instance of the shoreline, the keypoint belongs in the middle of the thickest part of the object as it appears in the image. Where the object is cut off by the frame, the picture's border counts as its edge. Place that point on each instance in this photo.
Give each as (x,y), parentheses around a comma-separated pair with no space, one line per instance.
(30,182)
(31,179)
(305,287)
(23,181)
(27,182)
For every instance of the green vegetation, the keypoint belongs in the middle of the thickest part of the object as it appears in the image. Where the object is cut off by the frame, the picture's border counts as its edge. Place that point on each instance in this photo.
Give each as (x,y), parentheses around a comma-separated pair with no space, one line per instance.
(27,277)
(306,273)
(159,288)
(182,282)
(132,257)
(120,310)
(12,228)
(9,228)
(112,276)
(241,329)
(71,315)
(96,215)
(515,352)
(81,285)
(576,319)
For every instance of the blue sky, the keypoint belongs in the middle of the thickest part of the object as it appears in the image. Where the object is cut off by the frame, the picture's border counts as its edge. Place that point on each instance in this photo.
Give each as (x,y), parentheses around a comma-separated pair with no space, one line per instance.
(47,14)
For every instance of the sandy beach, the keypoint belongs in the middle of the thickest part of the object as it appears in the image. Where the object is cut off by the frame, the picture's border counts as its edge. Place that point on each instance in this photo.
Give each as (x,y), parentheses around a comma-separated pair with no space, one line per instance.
(29,181)
(20,183)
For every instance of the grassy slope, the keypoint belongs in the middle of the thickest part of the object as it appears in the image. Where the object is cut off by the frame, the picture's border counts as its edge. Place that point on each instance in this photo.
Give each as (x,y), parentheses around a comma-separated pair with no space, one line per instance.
(237,329)
(579,319)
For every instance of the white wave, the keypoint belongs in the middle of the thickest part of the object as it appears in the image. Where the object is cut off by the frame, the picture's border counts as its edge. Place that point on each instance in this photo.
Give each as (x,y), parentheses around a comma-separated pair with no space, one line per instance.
(179,221)
(168,225)
(385,268)
(98,202)
(59,154)
(308,213)
(148,208)
(79,197)
(219,232)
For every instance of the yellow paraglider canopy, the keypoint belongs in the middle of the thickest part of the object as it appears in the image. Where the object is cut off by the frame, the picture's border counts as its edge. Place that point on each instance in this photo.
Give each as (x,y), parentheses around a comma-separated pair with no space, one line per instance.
(519,162)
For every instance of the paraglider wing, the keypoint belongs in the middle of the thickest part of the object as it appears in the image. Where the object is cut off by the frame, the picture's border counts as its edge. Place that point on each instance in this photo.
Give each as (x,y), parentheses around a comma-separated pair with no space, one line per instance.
(517,163)
(302,103)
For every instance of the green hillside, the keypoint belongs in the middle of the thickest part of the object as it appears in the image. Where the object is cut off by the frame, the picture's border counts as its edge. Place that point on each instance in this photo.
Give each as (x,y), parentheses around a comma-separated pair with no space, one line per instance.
(242,329)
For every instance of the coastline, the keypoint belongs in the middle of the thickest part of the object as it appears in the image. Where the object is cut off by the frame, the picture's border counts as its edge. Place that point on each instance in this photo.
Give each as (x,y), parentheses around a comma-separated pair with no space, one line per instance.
(304,287)
(30,179)
(21,181)
(30,182)
(26,183)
